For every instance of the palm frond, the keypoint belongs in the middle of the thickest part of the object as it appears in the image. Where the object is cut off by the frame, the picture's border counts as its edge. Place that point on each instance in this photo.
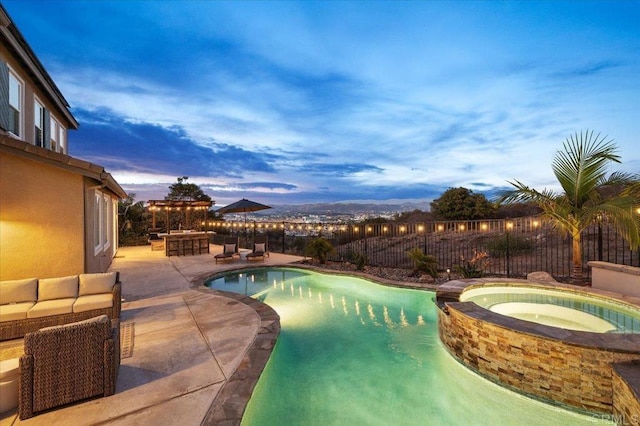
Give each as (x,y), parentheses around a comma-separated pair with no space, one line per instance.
(583,164)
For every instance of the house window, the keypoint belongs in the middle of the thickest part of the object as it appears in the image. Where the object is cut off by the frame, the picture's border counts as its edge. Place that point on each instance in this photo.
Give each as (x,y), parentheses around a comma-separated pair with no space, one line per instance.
(97,222)
(15,104)
(39,124)
(103,217)
(114,221)
(54,126)
(106,221)
(62,140)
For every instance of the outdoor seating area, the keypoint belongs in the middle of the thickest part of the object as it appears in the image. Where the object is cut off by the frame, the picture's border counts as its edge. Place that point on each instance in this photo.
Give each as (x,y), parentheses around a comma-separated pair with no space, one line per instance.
(31,304)
(169,371)
(231,250)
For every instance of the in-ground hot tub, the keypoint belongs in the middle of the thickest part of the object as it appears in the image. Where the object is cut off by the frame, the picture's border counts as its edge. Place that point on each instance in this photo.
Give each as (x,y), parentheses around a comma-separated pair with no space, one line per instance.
(561,308)
(558,343)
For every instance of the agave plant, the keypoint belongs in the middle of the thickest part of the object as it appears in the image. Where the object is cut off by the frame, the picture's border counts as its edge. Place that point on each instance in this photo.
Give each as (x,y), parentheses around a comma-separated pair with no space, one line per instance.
(589,193)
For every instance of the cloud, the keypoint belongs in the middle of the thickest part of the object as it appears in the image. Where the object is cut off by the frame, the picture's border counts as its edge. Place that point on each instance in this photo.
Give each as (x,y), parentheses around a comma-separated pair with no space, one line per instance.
(150,148)
(306,101)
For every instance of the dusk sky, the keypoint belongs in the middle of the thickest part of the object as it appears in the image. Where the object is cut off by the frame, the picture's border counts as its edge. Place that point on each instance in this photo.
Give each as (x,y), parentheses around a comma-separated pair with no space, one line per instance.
(303,102)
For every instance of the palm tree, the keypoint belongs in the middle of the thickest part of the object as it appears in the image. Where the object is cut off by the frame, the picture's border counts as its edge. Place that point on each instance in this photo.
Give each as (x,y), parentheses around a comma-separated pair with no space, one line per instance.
(589,194)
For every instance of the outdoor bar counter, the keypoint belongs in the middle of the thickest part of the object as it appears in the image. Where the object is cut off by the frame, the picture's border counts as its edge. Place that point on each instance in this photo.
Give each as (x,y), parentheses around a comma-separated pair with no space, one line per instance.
(185,243)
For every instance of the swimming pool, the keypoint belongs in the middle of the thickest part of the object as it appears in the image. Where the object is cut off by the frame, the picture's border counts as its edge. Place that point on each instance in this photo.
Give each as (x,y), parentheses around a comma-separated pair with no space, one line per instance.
(354,352)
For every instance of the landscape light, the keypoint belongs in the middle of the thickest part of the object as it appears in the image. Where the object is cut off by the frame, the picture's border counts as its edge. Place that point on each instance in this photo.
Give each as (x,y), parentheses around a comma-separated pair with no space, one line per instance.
(535,223)
(509,225)
(440,227)
(420,228)
(484,226)
(461,227)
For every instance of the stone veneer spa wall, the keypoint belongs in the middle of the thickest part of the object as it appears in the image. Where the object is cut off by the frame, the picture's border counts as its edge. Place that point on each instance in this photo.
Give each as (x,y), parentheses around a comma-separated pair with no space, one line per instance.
(559,366)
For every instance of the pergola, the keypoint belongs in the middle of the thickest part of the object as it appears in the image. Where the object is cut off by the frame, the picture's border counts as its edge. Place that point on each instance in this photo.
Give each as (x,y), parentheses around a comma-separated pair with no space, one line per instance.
(178,205)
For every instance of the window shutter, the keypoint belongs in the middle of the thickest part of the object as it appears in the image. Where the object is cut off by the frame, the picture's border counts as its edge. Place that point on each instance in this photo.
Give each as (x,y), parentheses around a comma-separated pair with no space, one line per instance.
(4,96)
(46,131)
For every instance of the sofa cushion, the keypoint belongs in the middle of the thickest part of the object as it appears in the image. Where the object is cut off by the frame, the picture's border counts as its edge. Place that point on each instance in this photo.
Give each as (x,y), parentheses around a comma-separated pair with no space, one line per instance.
(259,247)
(229,248)
(98,319)
(97,283)
(51,307)
(93,301)
(15,311)
(17,291)
(57,288)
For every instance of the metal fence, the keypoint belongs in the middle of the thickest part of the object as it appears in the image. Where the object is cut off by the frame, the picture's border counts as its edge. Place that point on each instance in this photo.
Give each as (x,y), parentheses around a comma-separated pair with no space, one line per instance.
(515,247)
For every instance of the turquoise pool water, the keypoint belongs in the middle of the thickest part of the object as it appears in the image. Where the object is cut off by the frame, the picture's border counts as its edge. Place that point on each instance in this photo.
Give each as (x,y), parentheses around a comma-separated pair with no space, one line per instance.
(357,353)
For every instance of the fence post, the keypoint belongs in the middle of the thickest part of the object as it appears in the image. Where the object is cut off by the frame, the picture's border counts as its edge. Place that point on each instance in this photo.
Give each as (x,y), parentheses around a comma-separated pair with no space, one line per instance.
(599,241)
(508,225)
(284,233)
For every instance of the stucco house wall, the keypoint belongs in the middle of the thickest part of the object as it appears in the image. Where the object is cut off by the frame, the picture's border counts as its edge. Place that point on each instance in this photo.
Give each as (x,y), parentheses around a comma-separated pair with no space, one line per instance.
(39,228)
(58,213)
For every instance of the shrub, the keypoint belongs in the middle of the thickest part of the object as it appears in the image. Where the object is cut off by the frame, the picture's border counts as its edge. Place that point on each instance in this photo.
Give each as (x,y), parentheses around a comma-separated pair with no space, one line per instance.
(474,267)
(357,258)
(423,262)
(319,248)
(497,247)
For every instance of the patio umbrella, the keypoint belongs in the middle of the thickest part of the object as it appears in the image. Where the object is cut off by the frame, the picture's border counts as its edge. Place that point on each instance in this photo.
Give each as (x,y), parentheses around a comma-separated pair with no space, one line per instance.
(243,206)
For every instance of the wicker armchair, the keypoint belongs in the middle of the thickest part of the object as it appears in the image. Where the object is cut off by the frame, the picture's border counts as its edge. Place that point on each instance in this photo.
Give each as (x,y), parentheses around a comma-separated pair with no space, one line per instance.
(68,363)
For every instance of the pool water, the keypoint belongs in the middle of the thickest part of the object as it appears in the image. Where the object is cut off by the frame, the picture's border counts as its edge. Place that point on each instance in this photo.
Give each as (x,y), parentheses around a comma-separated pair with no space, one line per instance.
(354,352)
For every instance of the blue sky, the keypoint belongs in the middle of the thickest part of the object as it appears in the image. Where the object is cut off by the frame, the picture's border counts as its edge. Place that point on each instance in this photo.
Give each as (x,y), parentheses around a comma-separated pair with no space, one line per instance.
(298,102)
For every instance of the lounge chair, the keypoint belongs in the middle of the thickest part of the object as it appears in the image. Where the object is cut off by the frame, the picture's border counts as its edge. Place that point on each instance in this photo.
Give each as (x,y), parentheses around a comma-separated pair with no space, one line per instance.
(260,248)
(230,250)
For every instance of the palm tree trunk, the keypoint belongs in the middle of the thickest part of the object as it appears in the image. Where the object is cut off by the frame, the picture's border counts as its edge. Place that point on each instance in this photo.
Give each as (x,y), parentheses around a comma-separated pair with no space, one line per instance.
(577,277)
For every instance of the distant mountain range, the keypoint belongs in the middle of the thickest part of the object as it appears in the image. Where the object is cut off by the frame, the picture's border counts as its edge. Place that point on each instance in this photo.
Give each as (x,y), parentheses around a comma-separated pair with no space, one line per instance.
(346,208)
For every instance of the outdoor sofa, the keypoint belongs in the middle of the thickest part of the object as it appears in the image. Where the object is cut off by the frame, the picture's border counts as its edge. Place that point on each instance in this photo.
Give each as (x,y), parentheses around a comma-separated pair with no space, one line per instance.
(30,304)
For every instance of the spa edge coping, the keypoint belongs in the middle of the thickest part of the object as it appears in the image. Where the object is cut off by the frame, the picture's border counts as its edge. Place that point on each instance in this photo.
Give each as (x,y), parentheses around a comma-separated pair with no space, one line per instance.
(448,295)
(630,270)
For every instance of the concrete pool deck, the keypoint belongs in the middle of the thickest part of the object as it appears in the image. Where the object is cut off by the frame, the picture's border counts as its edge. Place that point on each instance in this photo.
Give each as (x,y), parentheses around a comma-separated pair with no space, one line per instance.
(191,347)
(195,351)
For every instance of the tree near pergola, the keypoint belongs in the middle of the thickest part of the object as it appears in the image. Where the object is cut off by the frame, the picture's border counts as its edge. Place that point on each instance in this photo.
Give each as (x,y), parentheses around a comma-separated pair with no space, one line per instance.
(462,204)
(589,194)
(183,191)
